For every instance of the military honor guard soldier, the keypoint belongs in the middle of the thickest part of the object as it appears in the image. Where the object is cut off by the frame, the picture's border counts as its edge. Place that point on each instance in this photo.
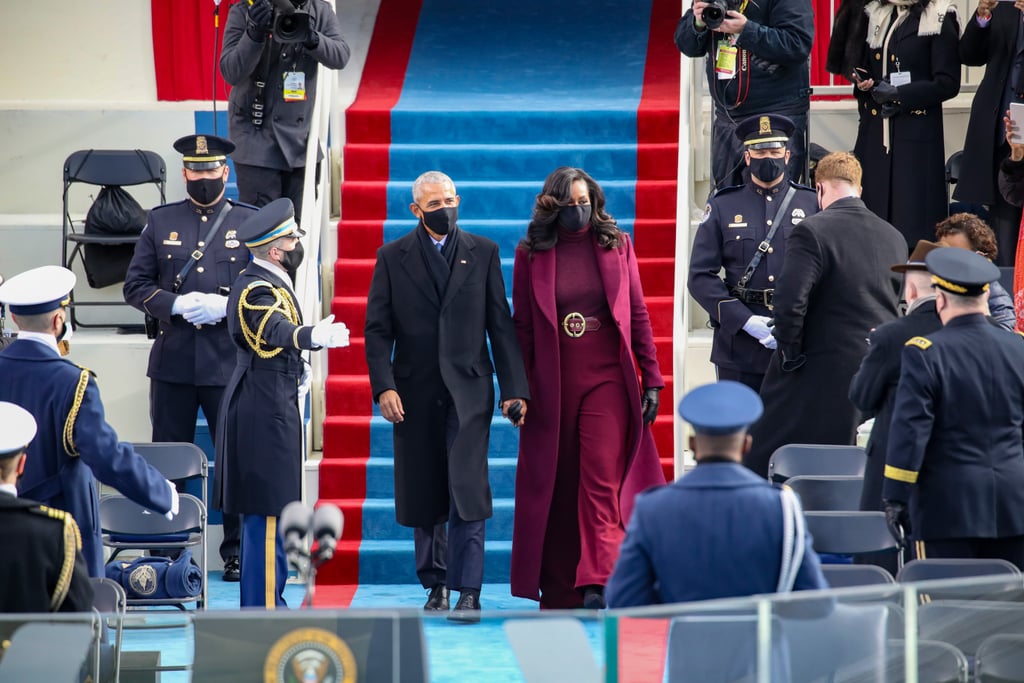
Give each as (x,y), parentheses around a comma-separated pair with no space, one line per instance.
(954,472)
(74,445)
(42,563)
(744,231)
(259,438)
(180,276)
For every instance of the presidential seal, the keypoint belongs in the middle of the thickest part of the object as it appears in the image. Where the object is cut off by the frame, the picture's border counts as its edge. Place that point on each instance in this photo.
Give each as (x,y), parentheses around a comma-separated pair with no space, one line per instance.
(143,580)
(310,655)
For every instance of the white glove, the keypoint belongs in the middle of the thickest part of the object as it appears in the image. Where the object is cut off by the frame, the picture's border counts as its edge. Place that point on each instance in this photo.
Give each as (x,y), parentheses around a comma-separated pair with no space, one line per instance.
(329,334)
(183,301)
(209,309)
(757,327)
(769,342)
(174,502)
(304,383)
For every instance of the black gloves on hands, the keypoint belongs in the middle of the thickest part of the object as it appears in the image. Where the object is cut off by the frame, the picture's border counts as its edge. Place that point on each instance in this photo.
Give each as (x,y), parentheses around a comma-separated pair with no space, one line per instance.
(260,20)
(649,405)
(312,40)
(897,517)
(885,92)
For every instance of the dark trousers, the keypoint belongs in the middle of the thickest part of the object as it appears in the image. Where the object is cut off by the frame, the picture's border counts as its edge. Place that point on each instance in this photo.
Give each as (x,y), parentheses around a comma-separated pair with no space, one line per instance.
(173,411)
(259,186)
(451,553)
(727,165)
(264,566)
(1010,548)
(751,379)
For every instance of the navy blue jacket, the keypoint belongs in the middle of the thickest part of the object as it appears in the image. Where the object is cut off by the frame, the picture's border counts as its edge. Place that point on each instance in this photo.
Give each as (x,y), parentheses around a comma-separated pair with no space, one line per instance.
(715,533)
(955,451)
(182,353)
(736,221)
(74,443)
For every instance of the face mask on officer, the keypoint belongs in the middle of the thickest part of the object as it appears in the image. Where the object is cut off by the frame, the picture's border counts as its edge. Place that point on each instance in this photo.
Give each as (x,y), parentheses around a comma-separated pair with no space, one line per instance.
(767,169)
(204,191)
(440,221)
(291,260)
(575,218)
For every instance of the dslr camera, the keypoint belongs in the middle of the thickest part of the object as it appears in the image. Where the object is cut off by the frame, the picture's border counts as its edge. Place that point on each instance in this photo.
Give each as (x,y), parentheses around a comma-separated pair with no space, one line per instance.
(714,13)
(291,21)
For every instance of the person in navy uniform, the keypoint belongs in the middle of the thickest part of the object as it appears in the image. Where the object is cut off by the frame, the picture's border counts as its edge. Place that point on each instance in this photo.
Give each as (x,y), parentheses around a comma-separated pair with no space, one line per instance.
(682,542)
(259,435)
(192,356)
(734,232)
(954,469)
(42,563)
(74,445)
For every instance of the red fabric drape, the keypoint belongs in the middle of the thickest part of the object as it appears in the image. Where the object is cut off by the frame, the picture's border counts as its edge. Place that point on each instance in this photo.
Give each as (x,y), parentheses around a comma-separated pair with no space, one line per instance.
(822,31)
(183,48)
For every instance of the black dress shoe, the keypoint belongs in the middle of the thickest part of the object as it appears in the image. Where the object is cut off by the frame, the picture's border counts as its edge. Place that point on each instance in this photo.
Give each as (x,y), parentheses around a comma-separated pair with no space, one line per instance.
(438,600)
(593,597)
(467,609)
(232,572)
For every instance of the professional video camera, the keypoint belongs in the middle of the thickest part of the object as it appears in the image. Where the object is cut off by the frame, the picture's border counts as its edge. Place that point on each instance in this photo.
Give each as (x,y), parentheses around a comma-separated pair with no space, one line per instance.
(714,14)
(291,21)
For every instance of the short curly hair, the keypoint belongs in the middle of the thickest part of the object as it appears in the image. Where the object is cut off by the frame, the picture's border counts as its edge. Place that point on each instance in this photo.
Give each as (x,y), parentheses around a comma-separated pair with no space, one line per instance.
(977,232)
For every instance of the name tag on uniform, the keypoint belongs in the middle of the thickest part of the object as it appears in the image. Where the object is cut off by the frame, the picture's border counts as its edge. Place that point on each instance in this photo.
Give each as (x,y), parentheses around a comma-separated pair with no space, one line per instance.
(294,86)
(172,243)
(899,78)
(737,225)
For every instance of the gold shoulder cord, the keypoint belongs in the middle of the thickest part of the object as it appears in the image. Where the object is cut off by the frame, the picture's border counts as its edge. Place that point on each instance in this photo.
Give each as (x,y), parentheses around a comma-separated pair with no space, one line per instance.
(282,305)
(69,424)
(72,544)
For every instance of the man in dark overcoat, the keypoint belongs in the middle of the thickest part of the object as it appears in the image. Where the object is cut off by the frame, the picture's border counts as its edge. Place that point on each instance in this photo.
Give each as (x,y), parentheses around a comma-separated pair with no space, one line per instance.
(835,288)
(873,388)
(436,297)
(955,467)
(259,439)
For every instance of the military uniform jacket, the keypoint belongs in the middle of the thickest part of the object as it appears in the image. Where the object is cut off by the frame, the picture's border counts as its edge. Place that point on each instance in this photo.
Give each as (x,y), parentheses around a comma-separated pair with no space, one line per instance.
(41,565)
(714,533)
(74,443)
(956,451)
(281,141)
(259,435)
(183,353)
(736,221)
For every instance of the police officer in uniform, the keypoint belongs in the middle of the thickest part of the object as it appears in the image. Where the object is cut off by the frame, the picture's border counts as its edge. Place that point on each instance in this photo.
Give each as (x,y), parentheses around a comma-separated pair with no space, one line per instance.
(259,439)
(74,445)
(954,473)
(744,231)
(41,566)
(192,356)
(672,541)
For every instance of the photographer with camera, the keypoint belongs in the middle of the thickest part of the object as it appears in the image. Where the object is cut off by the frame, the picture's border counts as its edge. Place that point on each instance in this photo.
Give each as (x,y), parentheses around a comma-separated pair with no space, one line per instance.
(757,63)
(270,57)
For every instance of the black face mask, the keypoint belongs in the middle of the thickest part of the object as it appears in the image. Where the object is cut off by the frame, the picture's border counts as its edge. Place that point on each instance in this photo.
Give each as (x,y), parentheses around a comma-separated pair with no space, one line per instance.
(767,170)
(204,190)
(292,260)
(574,218)
(441,221)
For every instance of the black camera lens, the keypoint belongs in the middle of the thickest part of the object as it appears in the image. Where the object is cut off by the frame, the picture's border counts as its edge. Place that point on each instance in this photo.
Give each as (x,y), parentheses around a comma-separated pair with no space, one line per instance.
(714,14)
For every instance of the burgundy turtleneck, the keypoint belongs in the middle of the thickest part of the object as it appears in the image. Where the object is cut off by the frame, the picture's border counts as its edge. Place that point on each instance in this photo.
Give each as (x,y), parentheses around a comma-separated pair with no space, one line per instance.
(578,285)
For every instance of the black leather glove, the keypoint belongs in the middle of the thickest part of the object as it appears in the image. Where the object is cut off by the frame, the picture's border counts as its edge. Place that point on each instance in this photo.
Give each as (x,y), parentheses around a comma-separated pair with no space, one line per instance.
(884,92)
(890,109)
(649,405)
(515,412)
(898,518)
(260,19)
(312,40)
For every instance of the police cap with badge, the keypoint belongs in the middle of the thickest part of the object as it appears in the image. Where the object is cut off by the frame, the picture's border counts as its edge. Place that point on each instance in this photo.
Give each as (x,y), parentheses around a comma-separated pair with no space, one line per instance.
(203,152)
(725,407)
(17,429)
(39,290)
(273,221)
(960,271)
(768,131)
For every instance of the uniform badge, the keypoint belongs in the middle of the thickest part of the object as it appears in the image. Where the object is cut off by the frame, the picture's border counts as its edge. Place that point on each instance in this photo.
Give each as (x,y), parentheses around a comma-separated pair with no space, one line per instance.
(172,240)
(738,218)
(797,216)
(231,234)
(919,342)
(201,146)
(232,244)
(707,213)
(173,236)
(764,125)
(143,580)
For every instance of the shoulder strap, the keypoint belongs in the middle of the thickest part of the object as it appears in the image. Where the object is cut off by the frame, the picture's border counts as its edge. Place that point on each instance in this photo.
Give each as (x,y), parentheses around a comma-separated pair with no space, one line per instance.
(179,279)
(762,248)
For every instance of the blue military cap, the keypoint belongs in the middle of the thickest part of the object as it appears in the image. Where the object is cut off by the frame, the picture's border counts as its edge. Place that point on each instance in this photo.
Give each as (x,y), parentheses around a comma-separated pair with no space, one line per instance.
(960,271)
(764,132)
(275,220)
(39,290)
(17,429)
(724,407)
(202,152)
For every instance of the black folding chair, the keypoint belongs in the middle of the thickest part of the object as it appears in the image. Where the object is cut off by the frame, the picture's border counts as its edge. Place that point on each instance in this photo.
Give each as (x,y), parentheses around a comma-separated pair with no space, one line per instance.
(108,254)
(850,532)
(177,461)
(1000,659)
(836,492)
(110,601)
(816,460)
(937,569)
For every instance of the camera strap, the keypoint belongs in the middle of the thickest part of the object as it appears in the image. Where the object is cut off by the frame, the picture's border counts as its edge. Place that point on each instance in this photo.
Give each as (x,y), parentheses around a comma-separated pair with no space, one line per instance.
(179,279)
(259,79)
(762,248)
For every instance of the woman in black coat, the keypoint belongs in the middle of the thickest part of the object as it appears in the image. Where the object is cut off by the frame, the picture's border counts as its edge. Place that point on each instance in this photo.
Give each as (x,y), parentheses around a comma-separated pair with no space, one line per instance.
(909,68)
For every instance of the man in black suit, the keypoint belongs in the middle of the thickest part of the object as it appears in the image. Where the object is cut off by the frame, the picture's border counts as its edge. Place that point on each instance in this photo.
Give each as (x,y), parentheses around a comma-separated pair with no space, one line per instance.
(833,290)
(42,566)
(873,388)
(436,297)
(993,38)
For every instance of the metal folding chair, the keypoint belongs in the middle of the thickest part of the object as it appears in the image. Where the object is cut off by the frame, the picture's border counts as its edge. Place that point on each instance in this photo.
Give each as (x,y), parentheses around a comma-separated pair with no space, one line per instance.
(849,575)
(32,656)
(936,663)
(1000,659)
(830,492)
(110,601)
(794,460)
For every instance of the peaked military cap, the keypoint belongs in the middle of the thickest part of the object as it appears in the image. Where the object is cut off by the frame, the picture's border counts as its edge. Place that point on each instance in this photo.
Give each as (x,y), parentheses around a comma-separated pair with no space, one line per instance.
(724,407)
(39,290)
(202,152)
(17,429)
(916,260)
(767,131)
(960,271)
(276,219)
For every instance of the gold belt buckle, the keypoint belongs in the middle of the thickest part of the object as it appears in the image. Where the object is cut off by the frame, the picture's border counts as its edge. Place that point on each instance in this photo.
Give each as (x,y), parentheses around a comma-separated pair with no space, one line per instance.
(574,324)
